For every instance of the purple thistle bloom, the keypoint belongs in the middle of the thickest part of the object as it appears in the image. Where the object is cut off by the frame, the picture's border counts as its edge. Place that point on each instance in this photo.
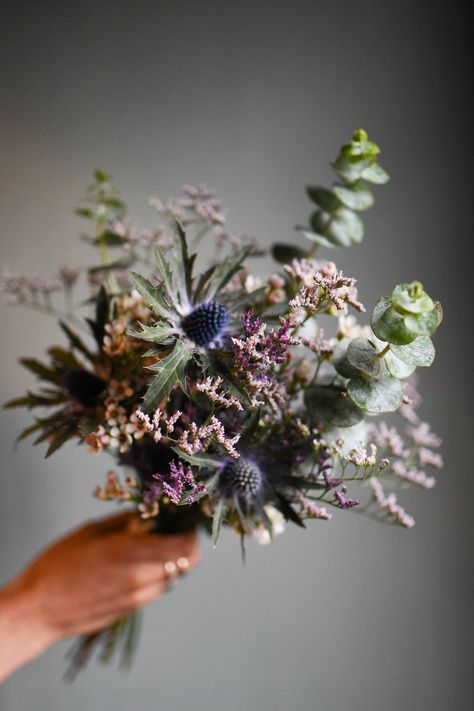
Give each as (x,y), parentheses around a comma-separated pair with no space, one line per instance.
(241,479)
(205,323)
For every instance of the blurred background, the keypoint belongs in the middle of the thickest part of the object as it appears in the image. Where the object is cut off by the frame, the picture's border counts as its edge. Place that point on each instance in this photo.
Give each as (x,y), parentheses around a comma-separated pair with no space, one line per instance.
(254,99)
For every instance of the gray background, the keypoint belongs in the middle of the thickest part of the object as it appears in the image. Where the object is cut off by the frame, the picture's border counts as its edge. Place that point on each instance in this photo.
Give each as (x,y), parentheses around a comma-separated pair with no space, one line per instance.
(255,99)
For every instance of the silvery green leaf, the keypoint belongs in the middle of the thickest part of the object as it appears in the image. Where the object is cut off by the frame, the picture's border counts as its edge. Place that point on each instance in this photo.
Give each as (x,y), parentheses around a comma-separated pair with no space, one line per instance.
(326,199)
(375,174)
(389,325)
(331,405)
(362,355)
(355,197)
(317,238)
(350,168)
(402,300)
(285,253)
(397,367)
(376,396)
(420,352)
(341,362)
(425,324)
(352,223)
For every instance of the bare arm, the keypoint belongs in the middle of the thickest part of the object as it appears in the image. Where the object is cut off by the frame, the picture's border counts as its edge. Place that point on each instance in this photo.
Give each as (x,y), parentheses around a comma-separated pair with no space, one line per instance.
(83,583)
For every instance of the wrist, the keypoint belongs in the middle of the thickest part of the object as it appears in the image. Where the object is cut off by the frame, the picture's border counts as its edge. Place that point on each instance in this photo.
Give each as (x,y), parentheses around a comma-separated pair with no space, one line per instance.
(24,633)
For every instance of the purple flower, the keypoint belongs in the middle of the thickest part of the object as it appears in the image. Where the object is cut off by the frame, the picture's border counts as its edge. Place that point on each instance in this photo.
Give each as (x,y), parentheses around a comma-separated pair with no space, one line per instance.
(177,485)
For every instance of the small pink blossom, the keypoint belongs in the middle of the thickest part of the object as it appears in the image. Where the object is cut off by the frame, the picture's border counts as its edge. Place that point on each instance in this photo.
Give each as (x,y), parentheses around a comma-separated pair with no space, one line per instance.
(390,505)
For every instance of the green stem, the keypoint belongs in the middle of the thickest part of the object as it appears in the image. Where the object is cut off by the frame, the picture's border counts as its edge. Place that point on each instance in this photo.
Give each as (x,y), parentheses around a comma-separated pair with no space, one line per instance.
(104,255)
(384,352)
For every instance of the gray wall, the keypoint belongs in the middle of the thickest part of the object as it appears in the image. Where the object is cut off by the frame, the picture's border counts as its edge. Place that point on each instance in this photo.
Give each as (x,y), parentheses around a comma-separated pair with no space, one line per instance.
(253,98)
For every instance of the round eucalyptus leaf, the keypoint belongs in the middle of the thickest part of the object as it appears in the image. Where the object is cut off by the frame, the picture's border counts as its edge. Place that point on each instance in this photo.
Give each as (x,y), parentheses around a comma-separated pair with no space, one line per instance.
(341,362)
(336,231)
(355,197)
(317,238)
(423,324)
(285,253)
(351,223)
(362,355)
(330,227)
(389,325)
(396,367)
(420,352)
(326,199)
(328,404)
(375,174)
(376,396)
(411,299)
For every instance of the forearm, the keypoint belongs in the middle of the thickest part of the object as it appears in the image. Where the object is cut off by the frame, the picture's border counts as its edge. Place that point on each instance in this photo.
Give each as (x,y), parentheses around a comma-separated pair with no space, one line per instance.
(23,634)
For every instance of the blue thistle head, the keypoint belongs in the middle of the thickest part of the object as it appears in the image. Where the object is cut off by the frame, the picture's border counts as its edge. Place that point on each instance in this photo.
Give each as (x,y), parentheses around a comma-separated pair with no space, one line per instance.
(205,323)
(241,479)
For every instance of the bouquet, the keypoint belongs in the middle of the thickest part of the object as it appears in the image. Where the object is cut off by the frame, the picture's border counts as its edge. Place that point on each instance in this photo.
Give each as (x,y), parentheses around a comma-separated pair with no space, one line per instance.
(225,399)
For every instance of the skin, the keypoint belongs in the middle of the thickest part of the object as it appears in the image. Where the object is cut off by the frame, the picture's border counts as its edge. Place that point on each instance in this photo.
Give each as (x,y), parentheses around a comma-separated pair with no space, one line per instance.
(83,583)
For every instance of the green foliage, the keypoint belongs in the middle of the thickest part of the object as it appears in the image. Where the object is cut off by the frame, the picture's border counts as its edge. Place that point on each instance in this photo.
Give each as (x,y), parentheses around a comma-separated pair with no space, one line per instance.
(335,222)
(376,396)
(363,355)
(408,313)
(285,253)
(420,352)
(329,404)
(169,371)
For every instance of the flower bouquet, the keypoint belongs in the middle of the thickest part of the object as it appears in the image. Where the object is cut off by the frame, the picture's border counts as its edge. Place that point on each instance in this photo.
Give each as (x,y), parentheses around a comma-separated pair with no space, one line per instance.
(228,400)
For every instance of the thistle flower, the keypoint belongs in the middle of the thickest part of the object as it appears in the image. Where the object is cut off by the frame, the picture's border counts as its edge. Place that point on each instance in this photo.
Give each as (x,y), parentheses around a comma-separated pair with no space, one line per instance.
(194,317)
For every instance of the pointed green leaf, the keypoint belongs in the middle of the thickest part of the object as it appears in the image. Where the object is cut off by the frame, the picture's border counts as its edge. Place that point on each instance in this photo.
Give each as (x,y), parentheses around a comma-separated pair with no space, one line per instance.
(166,275)
(59,439)
(41,370)
(226,270)
(217,521)
(76,342)
(166,377)
(153,296)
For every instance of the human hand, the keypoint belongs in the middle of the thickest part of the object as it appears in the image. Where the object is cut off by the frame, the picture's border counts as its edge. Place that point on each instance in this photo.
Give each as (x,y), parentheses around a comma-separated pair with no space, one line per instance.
(86,581)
